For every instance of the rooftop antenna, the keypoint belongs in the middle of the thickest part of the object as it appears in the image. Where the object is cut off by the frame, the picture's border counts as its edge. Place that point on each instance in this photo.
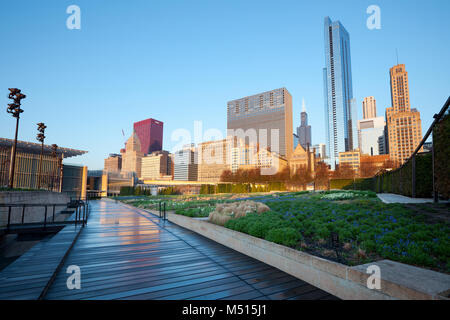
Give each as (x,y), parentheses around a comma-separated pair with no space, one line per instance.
(303,105)
(123,134)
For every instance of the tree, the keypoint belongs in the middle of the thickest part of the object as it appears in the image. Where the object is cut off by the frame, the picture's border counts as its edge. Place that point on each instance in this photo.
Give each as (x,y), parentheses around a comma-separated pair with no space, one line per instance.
(283,175)
(226,176)
(344,171)
(368,169)
(302,177)
(321,176)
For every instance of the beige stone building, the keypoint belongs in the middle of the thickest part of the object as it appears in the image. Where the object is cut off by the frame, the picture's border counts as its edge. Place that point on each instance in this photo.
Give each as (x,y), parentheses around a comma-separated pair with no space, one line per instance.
(403,123)
(113,163)
(262,115)
(369,108)
(156,166)
(249,156)
(270,162)
(132,156)
(351,158)
(214,159)
(302,159)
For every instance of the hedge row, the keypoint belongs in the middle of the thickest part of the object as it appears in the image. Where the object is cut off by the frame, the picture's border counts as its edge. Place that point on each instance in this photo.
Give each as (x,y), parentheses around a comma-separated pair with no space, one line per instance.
(442,155)
(350,184)
(138,191)
(241,188)
(400,181)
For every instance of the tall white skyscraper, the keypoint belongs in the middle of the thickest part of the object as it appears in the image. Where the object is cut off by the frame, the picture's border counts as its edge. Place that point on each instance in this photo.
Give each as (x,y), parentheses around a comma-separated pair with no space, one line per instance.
(340,107)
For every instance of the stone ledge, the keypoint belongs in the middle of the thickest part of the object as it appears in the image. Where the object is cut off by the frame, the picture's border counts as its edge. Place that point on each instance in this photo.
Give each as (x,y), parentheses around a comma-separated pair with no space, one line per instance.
(340,280)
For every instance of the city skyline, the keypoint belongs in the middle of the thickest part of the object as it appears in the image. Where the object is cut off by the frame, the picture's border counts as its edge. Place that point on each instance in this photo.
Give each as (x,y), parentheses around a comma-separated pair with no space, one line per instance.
(45,94)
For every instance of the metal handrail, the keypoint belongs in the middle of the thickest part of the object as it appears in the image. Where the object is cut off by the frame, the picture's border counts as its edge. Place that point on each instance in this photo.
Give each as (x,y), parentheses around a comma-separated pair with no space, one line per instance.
(82,211)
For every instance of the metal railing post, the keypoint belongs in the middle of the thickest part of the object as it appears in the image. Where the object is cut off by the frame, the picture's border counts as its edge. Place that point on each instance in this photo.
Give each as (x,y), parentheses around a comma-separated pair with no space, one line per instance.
(23,214)
(165,211)
(9,218)
(84,214)
(413,178)
(45,219)
(435,191)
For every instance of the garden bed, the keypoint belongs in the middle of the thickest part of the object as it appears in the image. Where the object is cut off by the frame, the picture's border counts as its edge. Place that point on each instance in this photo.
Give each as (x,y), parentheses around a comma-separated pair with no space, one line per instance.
(299,227)
(398,281)
(368,230)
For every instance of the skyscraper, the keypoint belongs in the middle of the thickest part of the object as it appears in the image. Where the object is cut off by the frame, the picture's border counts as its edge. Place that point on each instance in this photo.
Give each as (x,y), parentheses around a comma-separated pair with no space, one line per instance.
(340,109)
(132,155)
(371,136)
(271,110)
(186,164)
(304,131)
(150,134)
(403,123)
(113,163)
(369,108)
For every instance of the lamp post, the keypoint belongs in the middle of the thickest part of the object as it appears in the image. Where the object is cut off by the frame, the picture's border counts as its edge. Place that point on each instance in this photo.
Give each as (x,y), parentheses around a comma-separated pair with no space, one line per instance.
(41,137)
(14,109)
(55,174)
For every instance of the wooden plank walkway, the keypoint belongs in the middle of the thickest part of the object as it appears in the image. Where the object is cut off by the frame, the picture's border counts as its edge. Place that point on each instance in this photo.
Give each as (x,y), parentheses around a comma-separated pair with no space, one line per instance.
(26,277)
(127,253)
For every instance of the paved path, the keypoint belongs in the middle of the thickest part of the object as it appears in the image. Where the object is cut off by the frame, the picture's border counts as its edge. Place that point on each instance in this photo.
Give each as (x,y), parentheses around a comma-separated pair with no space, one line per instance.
(127,253)
(396,198)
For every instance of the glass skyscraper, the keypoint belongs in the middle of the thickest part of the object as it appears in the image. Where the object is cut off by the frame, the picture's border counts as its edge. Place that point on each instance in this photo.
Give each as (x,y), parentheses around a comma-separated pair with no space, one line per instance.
(340,107)
(150,134)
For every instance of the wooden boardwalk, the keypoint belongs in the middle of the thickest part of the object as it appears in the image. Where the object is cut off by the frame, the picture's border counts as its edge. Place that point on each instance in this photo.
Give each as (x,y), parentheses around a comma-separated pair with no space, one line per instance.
(127,253)
(26,277)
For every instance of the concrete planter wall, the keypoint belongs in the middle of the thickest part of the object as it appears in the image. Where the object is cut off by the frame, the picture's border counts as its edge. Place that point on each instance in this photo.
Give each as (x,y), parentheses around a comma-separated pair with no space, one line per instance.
(32,214)
(398,281)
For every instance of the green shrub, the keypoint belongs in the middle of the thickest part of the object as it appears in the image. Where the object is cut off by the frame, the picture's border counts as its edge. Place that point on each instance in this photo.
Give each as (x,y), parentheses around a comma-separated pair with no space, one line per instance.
(169,191)
(285,236)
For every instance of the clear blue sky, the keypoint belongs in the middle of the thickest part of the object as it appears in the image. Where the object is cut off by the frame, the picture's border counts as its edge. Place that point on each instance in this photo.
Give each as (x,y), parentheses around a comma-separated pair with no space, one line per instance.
(181,61)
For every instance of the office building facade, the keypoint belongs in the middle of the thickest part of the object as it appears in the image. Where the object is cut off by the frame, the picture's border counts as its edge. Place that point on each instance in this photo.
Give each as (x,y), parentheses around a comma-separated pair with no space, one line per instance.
(350,158)
(340,109)
(371,135)
(185,164)
(113,163)
(369,108)
(156,166)
(404,127)
(321,150)
(214,158)
(150,134)
(270,111)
